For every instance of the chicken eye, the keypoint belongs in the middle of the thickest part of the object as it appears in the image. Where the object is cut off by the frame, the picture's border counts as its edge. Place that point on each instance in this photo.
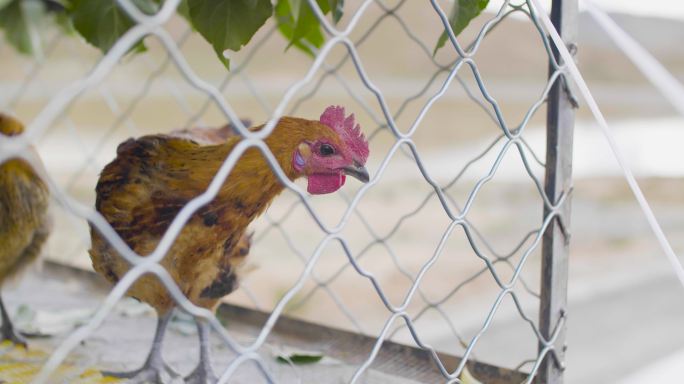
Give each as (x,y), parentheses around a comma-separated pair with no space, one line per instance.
(326,150)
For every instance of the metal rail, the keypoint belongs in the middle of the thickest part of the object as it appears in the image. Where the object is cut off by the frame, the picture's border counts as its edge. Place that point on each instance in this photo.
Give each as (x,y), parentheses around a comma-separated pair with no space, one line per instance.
(557,184)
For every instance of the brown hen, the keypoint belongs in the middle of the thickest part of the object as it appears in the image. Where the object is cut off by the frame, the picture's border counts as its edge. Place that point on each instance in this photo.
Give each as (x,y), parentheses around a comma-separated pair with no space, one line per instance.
(154,177)
(24,222)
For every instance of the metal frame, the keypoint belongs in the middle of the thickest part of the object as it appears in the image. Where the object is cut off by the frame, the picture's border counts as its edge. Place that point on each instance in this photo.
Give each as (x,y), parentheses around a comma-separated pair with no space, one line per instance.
(557,184)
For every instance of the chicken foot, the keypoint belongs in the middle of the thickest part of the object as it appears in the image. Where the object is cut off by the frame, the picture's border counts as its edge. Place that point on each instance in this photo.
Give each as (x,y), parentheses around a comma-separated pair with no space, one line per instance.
(154,370)
(7,331)
(203,373)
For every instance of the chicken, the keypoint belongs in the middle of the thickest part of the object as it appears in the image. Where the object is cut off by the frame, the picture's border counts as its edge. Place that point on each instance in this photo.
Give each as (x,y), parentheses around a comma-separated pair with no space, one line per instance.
(24,221)
(235,257)
(214,136)
(153,177)
(209,136)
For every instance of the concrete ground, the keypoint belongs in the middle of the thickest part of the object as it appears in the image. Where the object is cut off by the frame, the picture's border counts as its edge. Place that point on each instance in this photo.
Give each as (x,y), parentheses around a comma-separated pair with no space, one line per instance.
(617,336)
(49,306)
(623,330)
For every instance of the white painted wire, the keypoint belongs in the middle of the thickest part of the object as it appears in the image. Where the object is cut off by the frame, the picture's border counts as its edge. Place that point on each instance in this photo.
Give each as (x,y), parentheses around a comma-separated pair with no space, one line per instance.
(649,66)
(608,133)
(151,25)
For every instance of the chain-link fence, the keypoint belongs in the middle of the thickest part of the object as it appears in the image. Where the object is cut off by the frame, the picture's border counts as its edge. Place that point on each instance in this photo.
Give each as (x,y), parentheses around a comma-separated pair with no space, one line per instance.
(440,250)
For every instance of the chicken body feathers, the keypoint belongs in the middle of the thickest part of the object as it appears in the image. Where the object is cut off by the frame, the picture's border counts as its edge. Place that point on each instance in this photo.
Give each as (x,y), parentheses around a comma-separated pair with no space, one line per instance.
(24,223)
(24,200)
(154,177)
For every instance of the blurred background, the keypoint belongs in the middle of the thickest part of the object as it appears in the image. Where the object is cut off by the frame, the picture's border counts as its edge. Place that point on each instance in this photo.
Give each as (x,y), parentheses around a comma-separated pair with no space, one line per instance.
(626,307)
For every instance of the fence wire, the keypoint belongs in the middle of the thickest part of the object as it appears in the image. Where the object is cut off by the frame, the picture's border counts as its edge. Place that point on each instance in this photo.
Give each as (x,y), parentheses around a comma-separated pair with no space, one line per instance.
(403,314)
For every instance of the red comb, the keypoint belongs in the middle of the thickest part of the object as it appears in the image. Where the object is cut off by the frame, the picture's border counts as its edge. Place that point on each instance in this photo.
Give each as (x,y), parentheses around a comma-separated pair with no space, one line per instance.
(348,130)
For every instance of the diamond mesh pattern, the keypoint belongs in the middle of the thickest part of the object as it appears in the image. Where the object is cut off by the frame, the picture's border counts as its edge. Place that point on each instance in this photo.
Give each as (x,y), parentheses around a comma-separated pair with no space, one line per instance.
(405,308)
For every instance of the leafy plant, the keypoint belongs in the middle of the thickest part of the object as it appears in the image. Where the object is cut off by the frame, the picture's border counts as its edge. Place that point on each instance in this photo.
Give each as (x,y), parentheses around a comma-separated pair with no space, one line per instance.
(461,14)
(225,24)
(298,23)
(228,24)
(102,22)
(20,20)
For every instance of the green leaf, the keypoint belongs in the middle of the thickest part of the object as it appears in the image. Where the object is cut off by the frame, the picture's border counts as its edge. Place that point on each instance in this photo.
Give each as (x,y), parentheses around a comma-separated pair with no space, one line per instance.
(228,24)
(298,23)
(20,20)
(57,5)
(103,22)
(63,20)
(304,17)
(324,5)
(461,15)
(183,10)
(299,357)
(337,7)
(4,3)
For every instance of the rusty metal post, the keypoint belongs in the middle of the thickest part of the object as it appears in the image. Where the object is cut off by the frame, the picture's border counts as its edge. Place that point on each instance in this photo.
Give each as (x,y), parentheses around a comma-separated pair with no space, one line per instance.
(557,183)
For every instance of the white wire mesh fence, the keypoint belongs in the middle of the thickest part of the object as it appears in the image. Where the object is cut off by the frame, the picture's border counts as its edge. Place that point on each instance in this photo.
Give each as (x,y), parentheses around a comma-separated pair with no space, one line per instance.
(416,243)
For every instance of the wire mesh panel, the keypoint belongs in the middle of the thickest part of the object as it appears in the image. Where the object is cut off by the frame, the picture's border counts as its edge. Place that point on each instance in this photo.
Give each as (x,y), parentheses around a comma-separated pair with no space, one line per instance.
(441,250)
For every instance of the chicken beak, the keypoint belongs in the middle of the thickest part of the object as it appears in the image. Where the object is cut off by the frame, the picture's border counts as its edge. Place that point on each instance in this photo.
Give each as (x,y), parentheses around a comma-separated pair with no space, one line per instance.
(357,171)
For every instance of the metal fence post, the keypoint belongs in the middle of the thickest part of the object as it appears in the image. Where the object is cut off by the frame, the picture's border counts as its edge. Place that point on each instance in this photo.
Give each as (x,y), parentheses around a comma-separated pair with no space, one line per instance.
(558,181)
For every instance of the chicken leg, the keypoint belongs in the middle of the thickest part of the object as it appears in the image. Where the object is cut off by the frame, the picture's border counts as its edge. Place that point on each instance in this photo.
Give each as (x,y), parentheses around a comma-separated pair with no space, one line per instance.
(7,331)
(204,372)
(154,370)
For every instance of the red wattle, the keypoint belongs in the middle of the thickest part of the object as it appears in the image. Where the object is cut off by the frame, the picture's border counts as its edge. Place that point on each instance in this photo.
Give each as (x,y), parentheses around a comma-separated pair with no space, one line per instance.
(321,183)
